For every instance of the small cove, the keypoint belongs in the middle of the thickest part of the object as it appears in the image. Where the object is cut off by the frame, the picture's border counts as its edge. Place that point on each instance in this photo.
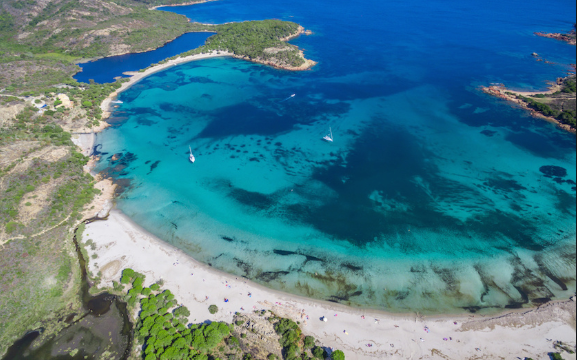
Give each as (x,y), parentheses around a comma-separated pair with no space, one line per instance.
(106,69)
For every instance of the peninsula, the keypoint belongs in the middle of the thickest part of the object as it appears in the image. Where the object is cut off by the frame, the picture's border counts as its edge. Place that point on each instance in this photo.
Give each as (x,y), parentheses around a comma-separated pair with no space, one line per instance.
(556,105)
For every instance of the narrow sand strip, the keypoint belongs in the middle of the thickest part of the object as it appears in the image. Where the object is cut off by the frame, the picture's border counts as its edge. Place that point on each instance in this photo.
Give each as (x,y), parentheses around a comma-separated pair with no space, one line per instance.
(136,76)
(122,244)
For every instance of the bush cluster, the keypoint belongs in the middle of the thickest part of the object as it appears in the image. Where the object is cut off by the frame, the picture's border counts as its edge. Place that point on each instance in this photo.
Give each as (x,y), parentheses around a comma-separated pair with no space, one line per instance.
(566,116)
(162,324)
(295,346)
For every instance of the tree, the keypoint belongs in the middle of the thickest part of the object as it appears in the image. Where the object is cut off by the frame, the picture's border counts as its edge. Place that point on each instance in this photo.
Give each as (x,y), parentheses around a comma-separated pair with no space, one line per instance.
(181,312)
(319,352)
(180,343)
(309,342)
(213,309)
(138,282)
(338,355)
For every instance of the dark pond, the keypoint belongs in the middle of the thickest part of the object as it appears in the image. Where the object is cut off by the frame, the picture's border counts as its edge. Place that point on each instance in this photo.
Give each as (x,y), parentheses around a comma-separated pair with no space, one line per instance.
(104,331)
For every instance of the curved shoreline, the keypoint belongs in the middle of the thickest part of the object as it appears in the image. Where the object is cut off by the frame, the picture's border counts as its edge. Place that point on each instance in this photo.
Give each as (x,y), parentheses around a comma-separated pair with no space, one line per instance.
(136,76)
(121,243)
(183,4)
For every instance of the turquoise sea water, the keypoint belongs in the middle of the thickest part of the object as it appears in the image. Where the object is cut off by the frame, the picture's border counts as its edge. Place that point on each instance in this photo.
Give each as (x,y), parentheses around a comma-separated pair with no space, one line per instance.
(434,197)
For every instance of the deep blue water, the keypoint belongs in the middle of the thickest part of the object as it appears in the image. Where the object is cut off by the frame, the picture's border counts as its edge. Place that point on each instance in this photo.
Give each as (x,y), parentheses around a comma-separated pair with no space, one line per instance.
(105,70)
(434,197)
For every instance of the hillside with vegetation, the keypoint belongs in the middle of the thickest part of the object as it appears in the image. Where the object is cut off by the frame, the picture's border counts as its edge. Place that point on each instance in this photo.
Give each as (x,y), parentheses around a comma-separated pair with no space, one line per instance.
(43,194)
(263,41)
(41,41)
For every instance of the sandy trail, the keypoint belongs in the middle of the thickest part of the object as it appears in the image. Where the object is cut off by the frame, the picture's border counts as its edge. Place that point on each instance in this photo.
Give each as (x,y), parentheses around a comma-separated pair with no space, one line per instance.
(122,244)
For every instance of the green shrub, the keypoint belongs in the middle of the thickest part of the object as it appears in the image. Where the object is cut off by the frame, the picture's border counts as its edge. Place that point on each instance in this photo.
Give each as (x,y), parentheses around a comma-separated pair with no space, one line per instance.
(11,226)
(309,342)
(87,104)
(182,312)
(128,272)
(338,355)
(232,341)
(213,309)
(555,356)
(319,353)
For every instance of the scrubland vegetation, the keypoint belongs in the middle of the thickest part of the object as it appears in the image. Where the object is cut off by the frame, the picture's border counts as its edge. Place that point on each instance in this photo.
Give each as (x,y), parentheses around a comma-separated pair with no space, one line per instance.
(164,332)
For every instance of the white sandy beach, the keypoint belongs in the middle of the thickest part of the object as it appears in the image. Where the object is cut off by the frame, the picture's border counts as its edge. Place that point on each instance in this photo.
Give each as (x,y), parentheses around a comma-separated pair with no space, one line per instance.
(136,76)
(122,244)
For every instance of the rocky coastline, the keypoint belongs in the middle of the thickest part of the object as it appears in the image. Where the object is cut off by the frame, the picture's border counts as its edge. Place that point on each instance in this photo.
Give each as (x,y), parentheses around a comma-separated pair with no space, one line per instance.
(504,93)
(568,38)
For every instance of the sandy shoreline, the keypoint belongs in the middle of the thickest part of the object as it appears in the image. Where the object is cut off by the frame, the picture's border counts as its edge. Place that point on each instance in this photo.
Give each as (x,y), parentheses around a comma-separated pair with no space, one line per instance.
(120,244)
(183,4)
(137,76)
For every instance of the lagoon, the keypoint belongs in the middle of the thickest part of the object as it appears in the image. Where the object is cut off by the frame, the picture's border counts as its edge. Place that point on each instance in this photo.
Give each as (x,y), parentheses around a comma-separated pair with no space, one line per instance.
(107,69)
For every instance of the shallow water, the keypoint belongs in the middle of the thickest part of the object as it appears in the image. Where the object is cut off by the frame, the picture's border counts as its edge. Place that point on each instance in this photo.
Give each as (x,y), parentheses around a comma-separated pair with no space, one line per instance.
(433,197)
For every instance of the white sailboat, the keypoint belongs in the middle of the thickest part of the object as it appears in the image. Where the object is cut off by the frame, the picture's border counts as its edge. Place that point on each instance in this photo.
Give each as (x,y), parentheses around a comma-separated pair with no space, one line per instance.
(329,137)
(191,158)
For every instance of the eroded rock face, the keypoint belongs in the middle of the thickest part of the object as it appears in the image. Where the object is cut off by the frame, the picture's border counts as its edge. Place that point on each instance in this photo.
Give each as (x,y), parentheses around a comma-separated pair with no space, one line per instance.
(261,339)
(8,113)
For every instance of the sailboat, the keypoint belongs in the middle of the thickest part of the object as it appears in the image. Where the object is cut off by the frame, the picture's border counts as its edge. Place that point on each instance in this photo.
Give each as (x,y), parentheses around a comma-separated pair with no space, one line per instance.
(191,158)
(329,137)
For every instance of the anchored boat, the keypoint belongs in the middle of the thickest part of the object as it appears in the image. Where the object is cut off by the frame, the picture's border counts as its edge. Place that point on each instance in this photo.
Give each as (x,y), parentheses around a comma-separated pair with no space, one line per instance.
(191,158)
(329,137)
